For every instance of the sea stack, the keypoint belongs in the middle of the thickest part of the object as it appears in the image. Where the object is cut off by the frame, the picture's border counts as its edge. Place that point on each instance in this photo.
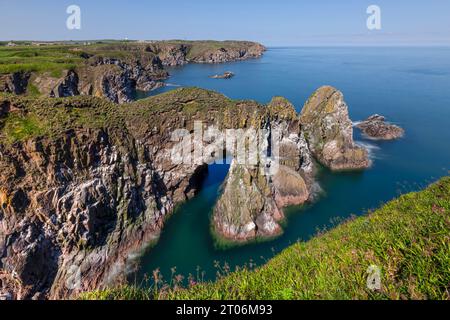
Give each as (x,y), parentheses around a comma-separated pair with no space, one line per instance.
(329,131)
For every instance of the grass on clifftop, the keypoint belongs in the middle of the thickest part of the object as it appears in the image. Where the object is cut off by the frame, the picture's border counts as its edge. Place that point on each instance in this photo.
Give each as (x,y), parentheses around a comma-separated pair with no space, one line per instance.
(52,59)
(56,57)
(34,116)
(408,239)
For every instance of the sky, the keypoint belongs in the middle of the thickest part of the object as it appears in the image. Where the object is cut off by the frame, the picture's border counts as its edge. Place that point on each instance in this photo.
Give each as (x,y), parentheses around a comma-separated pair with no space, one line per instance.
(273,23)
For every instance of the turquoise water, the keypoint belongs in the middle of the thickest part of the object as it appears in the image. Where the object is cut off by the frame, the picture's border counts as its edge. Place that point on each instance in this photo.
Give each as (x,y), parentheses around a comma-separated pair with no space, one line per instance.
(411,86)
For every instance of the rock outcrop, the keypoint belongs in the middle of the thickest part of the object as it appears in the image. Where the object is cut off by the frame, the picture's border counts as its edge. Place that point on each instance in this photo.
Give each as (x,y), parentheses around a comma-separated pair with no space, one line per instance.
(252,200)
(251,205)
(329,131)
(225,75)
(16,82)
(85,182)
(65,86)
(376,127)
(246,209)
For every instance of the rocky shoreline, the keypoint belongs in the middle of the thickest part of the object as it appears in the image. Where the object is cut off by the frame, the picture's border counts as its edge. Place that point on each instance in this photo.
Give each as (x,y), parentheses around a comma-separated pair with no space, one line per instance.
(116,71)
(251,204)
(79,196)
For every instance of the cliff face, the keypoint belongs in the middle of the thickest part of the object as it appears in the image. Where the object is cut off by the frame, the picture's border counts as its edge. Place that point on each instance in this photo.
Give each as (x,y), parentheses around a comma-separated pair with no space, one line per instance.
(116,71)
(15,82)
(329,131)
(251,205)
(85,183)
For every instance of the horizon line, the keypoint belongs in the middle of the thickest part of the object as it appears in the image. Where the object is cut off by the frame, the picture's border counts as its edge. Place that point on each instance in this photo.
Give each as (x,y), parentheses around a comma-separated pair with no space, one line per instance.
(268,45)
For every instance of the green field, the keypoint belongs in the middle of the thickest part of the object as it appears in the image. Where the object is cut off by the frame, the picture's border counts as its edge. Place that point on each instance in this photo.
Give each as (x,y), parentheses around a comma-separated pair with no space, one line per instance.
(408,239)
(51,59)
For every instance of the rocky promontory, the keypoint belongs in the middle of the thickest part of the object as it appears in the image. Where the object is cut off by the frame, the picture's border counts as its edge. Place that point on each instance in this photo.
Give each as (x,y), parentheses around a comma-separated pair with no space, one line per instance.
(376,127)
(112,70)
(86,183)
(251,205)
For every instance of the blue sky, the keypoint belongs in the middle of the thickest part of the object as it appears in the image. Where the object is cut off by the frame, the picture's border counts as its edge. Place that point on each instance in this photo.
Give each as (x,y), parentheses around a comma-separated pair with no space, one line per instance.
(274,23)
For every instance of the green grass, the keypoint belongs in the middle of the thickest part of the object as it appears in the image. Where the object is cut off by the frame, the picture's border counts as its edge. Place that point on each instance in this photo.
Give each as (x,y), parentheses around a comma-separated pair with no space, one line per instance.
(408,239)
(36,117)
(32,90)
(18,127)
(52,59)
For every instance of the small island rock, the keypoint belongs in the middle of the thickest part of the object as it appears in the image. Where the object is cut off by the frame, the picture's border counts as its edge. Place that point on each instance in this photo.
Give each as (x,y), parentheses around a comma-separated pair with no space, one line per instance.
(225,75)
(376,127)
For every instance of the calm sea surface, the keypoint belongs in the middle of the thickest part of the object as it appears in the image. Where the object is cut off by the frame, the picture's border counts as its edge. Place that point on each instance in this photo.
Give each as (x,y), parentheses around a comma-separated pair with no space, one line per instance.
(410,86)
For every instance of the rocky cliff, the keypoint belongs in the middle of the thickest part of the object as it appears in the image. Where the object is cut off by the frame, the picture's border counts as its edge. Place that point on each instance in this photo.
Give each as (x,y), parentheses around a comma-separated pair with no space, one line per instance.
(329,131)
(114,71)
(85,182)
(251,204)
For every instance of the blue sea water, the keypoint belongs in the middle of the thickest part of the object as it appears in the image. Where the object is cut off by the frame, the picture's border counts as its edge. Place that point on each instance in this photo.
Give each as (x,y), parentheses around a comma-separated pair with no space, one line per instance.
(410,86)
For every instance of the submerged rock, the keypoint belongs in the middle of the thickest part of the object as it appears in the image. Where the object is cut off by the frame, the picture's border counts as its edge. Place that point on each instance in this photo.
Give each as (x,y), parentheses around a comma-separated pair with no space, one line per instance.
(329,131)
(376,127)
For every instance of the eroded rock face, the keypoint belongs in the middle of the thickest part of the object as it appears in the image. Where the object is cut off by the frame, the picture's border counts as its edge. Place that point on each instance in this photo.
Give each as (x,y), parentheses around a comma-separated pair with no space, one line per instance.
(329,132)
(74,204)
(76,207)
(16,82)
(78,200)
(246,209)
(66,86)
(376,127)
(251,204)
(290,188)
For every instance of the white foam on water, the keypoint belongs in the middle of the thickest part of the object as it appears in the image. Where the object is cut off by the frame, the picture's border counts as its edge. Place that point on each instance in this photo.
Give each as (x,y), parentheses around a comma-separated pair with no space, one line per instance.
(371,148)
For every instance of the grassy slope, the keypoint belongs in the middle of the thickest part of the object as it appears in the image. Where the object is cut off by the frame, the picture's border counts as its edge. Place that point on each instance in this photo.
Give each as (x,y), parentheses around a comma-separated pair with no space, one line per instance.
(408,238)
